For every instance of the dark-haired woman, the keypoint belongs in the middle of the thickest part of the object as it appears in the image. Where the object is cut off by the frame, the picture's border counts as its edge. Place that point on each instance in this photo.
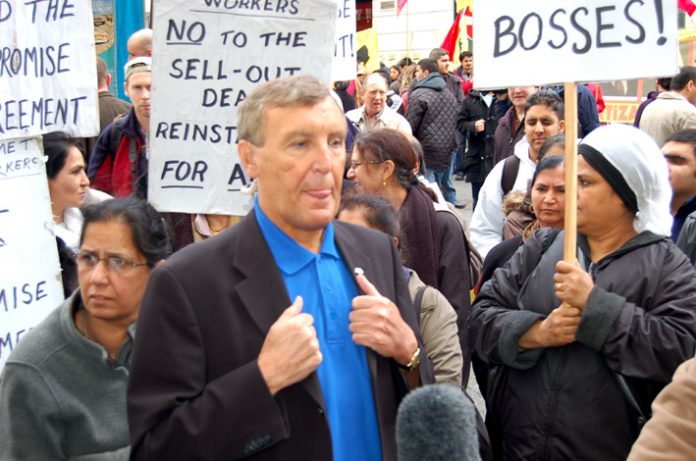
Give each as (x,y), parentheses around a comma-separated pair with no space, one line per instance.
(517,205)
(547,191)
(63,388)
(69,190)
(572,347)
(384,163)
(67,185)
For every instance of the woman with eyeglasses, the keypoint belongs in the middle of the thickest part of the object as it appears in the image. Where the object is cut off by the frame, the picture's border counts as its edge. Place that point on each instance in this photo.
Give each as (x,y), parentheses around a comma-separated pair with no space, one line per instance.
(384,163)
(63,388)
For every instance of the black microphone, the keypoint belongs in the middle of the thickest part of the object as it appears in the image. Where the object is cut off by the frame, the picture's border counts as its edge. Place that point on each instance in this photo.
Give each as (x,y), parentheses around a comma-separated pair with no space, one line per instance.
(437,422)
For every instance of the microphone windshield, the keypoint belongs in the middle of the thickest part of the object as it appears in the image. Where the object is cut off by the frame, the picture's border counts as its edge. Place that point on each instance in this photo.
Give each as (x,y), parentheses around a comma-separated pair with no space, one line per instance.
(437,422)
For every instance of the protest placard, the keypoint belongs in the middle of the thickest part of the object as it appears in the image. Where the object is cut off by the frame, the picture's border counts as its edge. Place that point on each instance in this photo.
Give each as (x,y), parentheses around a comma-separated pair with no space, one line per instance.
(208,55)
(344,64)
(48,76)
(522,43)
(30,284)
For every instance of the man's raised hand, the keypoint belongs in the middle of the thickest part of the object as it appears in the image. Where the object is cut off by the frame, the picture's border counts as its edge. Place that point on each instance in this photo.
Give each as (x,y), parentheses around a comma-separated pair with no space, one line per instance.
(290,351)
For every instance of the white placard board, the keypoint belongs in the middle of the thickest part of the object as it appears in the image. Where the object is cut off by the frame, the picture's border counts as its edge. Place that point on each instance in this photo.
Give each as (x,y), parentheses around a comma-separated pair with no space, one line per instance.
(30,285)
(344,63)
(207,56)
(523,43)
(48,75)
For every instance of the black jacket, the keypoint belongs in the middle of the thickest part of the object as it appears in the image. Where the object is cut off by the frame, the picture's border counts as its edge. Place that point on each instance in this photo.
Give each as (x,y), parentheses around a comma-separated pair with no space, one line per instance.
(478,159)
(687,238)
(564,402)
(454,84)
(432,114)
(195,388)
(506,137)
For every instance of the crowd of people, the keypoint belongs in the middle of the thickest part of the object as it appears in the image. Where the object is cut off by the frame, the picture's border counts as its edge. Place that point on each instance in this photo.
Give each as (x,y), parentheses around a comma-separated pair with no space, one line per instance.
(294,332)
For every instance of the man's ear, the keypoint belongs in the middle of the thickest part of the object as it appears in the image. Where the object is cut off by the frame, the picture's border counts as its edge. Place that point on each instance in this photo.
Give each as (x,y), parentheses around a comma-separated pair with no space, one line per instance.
(561,126)
(247,155)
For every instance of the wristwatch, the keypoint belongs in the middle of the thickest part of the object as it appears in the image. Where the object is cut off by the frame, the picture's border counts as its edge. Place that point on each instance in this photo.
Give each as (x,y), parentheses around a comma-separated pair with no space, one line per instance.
(414,362)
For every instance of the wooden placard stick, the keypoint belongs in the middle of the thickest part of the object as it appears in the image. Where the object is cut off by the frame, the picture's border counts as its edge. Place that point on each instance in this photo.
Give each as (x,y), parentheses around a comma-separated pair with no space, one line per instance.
(570,227)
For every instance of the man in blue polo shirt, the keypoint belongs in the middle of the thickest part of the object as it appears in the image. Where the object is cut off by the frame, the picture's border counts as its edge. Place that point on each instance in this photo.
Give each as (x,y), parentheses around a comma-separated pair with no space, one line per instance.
(224,369)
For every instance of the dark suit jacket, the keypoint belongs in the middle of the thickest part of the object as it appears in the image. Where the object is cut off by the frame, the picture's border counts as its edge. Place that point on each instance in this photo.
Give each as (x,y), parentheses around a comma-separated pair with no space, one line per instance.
(195,388)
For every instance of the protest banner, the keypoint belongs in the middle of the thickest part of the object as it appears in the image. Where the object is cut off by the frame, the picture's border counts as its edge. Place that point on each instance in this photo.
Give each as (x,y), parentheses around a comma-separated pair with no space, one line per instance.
(30,284)
(48,76)
(524,43)
(344,65)
(208,55)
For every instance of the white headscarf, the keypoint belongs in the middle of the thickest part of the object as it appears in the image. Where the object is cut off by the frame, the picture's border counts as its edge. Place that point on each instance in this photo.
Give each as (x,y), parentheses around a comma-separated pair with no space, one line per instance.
(639,160)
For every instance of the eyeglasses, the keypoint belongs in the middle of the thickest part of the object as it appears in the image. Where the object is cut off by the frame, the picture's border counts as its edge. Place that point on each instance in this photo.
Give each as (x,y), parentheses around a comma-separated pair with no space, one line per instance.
(354,164)
(115,264)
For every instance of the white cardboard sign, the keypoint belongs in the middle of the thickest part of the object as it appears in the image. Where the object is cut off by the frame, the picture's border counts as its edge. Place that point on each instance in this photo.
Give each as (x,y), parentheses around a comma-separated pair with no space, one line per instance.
(521,43)
(30,284)
(208,55)
(48,75)
(344,62)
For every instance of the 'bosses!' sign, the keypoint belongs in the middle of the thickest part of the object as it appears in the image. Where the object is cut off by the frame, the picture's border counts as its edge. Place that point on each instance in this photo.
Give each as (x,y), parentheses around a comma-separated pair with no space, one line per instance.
(529,43)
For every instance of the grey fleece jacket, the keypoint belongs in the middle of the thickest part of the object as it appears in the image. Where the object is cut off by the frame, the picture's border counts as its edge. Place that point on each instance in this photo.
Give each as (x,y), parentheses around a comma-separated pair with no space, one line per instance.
(61,397)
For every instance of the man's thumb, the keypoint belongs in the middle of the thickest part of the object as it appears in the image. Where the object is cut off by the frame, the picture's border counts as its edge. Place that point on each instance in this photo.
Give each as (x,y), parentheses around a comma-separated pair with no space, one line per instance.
(295,308)
(365,285)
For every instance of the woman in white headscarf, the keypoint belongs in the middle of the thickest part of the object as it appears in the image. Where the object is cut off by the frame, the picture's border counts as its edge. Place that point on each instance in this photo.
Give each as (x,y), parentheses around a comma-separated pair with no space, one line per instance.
(577,353)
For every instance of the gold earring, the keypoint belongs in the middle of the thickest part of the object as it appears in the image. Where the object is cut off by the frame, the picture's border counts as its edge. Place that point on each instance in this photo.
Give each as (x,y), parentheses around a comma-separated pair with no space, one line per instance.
(384,183)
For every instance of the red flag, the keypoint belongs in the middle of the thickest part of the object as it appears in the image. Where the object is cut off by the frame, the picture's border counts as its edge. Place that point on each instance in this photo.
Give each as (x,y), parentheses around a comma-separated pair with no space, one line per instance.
(450,41)
(469,23)
(400,6)
(686,5)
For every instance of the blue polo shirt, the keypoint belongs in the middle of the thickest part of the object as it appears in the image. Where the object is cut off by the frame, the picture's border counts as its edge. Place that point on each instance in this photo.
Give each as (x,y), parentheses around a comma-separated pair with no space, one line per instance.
(327,288)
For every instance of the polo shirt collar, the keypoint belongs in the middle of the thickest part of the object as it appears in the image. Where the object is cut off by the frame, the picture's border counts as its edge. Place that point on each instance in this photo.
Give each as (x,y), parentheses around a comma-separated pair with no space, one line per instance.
(289,255)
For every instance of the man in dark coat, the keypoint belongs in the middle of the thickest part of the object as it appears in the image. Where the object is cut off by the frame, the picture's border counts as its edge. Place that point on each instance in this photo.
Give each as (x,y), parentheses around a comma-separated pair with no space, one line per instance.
(477,122)
(588,117)
(510,128)
(432,113)
(223,368)
(452,80)
(110,106)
